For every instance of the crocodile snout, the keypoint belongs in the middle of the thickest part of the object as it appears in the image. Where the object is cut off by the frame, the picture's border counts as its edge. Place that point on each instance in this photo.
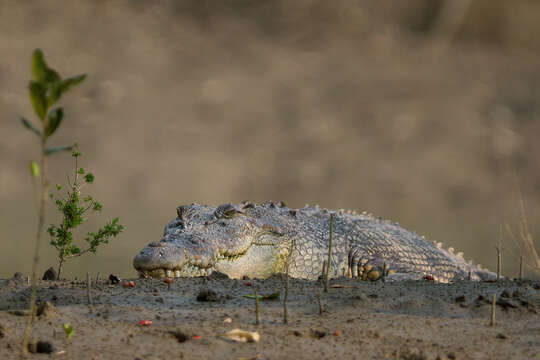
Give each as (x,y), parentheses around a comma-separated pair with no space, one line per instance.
(172,259)
(159,256)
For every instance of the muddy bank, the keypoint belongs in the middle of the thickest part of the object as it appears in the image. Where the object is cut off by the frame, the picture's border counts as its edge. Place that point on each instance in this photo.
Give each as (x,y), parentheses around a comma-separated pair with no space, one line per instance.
(406,320)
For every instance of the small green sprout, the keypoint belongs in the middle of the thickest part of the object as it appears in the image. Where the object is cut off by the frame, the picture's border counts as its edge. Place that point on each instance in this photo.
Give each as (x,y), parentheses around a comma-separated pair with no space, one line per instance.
(68,330)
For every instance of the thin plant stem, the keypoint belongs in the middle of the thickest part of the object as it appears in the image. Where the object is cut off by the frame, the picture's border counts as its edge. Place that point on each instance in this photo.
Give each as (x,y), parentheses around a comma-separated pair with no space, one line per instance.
(257,314)
(88,293)
(499,262)
(286,296)
(320,302)
(60,264)
(521,267)
(493,305)
(329,262)
(37,245)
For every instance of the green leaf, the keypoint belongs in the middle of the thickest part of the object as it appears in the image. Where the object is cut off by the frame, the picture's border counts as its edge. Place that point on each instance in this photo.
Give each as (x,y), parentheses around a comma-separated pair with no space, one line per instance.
(40,71)
(39,66)
(89,178)
(71,82)
(60,87)
(97,206)
(51,76)
(38,98)
(27,124)
(273,296)
(76,153)
(68,329)
(34,169)
(53,150)
(55,118)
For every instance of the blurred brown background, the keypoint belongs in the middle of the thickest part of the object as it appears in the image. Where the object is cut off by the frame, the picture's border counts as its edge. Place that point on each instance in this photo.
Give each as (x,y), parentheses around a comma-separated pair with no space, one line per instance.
(421,112)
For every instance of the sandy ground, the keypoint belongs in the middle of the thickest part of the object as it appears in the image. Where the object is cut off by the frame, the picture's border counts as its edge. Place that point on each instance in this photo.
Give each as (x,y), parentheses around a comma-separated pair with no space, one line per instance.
(406,320)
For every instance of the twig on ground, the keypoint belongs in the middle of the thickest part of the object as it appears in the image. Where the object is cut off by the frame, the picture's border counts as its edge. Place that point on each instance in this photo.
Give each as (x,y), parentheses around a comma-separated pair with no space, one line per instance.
(257,314)
(320,302)
(88,293)
(493,305)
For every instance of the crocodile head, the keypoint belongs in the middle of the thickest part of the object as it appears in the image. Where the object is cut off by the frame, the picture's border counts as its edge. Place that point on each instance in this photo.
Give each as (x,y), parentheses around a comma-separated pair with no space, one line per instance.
(235,240)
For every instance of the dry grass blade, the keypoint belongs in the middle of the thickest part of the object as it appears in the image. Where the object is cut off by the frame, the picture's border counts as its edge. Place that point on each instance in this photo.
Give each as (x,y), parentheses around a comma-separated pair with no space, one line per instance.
(524,241)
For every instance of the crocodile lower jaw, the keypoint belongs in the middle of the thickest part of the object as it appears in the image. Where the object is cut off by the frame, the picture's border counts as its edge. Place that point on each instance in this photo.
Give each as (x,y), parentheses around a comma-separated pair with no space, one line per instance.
(190,271)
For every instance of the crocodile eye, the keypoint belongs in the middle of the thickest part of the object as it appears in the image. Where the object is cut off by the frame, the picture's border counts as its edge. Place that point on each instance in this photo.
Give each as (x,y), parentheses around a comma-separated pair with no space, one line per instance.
(181,210)
(226,211)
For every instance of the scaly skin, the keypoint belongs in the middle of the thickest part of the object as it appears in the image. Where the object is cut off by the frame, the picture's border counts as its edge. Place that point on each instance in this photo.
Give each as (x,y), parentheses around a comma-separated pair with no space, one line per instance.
(256,241)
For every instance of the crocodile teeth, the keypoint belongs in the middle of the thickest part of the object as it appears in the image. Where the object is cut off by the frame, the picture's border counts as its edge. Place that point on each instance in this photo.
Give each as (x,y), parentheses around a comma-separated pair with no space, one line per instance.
(176,273)
(158,273)
(169,273)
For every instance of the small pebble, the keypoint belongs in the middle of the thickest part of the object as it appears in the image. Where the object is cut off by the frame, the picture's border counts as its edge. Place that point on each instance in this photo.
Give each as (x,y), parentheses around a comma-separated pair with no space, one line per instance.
(41,347)
(46,309)
(318,333)
(180,336)
(207,295)
(50,274)
(3,331)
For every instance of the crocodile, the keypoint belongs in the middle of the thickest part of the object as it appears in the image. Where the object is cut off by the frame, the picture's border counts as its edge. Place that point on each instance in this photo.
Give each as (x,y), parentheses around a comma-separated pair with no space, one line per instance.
(259,240)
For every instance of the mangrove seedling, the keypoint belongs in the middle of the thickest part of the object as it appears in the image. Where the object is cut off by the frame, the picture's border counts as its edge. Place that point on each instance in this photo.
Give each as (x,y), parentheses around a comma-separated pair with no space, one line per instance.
(45,90)
(74,208)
